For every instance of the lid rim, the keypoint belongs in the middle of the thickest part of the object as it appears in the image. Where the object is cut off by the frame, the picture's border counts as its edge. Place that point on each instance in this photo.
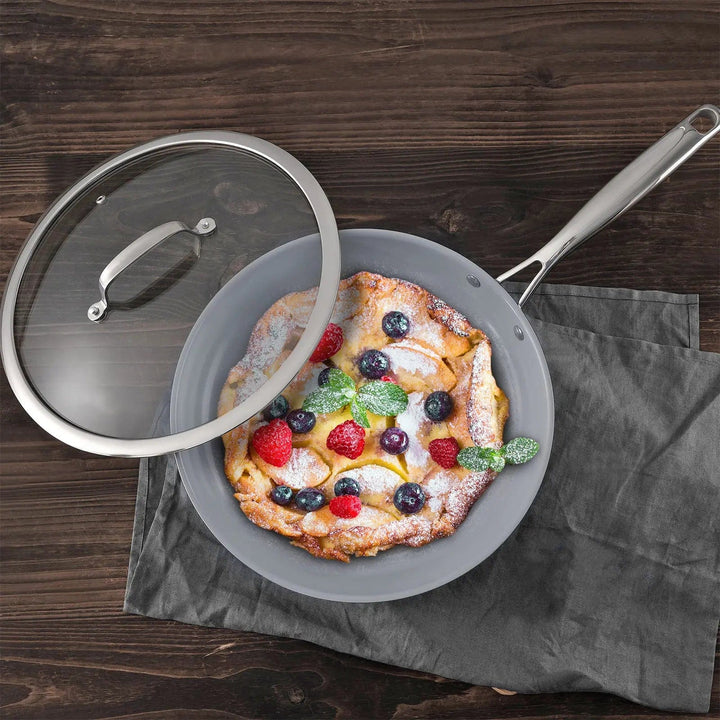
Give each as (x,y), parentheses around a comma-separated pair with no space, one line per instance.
(319,317)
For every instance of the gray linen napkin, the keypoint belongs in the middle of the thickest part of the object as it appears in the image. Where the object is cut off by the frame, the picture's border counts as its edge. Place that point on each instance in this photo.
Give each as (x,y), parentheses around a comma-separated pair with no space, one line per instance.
(610,583)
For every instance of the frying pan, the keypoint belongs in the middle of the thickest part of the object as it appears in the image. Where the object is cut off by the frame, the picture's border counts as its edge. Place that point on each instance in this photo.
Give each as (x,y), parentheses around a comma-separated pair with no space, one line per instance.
(518,365)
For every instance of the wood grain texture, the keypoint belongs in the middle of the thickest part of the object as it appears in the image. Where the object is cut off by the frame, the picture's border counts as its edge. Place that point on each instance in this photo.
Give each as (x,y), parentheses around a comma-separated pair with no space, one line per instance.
(483,125)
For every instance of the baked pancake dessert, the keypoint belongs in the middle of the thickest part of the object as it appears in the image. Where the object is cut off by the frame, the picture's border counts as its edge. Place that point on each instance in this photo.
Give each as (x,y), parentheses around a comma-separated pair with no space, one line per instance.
(387,436)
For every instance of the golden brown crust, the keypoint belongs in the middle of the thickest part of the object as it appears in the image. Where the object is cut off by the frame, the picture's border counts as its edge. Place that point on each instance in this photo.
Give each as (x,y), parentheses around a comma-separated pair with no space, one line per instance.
(442,351)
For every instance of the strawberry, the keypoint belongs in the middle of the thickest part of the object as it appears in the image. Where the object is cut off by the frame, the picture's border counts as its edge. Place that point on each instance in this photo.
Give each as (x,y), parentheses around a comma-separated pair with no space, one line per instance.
(346,506)
(347,439)
(273,442)
(329,344)
(444,451)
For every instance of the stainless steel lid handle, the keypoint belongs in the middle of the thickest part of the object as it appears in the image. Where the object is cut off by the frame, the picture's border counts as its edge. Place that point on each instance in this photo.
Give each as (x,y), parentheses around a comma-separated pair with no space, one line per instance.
(133,252)
(622,192)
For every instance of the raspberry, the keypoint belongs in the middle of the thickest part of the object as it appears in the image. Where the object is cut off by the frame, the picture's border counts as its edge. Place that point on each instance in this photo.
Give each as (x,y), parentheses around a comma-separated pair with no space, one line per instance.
(444,451)
(387,378)
(346,506)
(273,442)
(347,439)
(329,344)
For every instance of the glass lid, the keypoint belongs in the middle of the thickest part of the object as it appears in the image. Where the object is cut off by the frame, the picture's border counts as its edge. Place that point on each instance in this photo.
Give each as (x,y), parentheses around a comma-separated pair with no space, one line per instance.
(116,274)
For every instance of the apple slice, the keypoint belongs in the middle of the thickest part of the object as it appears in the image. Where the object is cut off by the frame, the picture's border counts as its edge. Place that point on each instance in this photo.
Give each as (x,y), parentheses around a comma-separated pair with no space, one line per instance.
(377,484)
(322,522)
(304,469)
(418,368)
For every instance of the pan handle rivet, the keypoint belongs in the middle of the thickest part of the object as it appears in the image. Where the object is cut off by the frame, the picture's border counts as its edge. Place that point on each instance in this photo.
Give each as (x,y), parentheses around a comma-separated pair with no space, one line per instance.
(519,334)
(473,280)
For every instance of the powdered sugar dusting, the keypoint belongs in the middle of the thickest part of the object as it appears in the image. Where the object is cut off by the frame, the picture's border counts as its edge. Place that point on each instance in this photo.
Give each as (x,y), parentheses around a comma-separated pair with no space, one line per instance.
(268,340)
(440,315)
(411,530)
(481,399)
(461,497)
(412,420)
(306,380)
(321,522)
(252,380)
(368,517)
(450,317)
(412,358)
(300,305)
(312,381)
(346,305)
(422,327)
(303,469)
(436,487)
(375,479)
(274,332)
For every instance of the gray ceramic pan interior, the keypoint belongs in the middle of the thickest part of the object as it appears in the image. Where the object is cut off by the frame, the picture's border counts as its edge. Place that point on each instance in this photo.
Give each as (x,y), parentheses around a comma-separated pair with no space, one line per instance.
(216,344)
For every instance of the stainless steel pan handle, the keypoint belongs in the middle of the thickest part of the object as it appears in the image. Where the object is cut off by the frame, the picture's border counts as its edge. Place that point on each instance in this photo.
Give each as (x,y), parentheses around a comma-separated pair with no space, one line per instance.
(136,249)
(622,192)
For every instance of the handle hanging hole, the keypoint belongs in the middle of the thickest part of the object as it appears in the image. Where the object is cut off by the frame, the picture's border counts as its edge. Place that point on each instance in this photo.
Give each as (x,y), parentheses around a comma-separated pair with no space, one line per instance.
(702,124)
(704,120)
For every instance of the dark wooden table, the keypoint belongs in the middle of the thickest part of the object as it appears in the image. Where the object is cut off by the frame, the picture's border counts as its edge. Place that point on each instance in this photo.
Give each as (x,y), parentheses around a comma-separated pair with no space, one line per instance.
(483,125)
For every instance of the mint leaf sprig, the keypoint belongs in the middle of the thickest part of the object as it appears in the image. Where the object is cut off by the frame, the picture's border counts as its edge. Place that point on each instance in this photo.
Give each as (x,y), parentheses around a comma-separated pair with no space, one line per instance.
(516,452)
(377,396)
(335,394)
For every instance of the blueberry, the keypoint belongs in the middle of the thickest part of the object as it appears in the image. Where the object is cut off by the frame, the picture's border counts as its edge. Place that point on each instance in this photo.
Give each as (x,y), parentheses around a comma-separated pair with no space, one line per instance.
(281,495)
(347,486)
(309,499)
(438,405)
(278,408)
(394,440)
(301,421)
(395,324)
(374,364)
(324,377)
(409,498)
